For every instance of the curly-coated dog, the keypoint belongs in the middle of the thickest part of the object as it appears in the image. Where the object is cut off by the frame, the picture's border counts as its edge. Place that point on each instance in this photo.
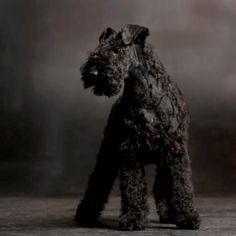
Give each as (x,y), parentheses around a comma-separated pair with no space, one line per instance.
(147,125)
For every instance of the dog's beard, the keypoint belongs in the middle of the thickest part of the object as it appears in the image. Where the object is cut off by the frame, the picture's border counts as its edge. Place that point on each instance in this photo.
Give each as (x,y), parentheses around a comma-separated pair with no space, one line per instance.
(103,81)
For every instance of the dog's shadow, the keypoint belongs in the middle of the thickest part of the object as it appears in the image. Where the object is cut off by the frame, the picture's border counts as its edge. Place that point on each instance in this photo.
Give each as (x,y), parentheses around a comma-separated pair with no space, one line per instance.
(112,223)
(65,222)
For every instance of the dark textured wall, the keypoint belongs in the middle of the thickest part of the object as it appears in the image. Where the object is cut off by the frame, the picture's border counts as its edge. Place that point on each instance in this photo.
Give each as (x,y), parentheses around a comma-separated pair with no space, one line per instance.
(50,128)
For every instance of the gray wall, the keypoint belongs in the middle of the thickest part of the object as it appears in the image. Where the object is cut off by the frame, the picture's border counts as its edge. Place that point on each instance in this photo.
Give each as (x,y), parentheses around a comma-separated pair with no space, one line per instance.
(50,127)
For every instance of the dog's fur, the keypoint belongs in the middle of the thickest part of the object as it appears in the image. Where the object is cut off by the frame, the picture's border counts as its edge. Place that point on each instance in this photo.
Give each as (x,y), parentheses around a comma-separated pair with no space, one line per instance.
(147,125)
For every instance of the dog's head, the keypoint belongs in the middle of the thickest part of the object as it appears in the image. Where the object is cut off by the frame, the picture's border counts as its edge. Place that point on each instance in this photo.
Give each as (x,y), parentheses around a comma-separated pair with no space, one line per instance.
(108,65)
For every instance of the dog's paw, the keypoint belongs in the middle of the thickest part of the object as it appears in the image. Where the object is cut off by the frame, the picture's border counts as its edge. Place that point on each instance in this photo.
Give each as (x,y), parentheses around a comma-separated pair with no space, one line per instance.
(131,225)
(188,221)
(85,221)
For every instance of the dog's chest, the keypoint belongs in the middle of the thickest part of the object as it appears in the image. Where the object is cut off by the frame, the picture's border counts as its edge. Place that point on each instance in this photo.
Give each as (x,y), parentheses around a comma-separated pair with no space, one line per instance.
(150,91)
(154,119)
(154,89)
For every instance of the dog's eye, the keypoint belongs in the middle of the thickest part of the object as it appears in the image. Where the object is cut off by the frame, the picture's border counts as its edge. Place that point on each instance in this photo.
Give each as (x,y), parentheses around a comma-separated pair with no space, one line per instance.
(116,50)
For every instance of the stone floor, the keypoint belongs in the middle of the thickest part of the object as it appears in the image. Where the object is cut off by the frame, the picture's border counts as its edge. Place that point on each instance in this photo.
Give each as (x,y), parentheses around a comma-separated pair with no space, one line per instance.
(54,216)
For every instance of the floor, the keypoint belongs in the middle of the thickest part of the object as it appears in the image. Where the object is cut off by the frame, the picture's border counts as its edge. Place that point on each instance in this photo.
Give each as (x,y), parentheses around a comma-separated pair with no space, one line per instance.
(54,216)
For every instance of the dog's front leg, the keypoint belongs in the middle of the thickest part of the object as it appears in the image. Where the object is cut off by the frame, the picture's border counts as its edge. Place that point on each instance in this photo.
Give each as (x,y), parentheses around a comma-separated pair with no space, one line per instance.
(100,185)
(133,188)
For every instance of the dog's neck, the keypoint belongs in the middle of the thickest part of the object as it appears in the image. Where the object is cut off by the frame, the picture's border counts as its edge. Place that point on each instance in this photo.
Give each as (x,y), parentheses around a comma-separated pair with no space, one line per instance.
(137,55)
(136,89)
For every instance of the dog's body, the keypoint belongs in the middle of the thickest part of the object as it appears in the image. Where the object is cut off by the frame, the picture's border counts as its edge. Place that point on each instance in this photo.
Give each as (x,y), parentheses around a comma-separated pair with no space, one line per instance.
(147,125)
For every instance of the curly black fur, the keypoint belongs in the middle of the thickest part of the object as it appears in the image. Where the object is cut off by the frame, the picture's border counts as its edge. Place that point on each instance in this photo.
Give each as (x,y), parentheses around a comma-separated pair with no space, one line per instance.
(147,125)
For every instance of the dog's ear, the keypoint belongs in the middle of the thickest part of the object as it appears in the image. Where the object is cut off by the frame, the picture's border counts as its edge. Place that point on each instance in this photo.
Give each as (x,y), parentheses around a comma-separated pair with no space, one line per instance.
(134,34)
(106,34)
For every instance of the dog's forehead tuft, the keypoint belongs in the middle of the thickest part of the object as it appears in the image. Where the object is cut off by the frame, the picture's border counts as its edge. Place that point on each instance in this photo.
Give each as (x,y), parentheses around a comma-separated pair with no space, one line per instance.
(111,43)
(134,33)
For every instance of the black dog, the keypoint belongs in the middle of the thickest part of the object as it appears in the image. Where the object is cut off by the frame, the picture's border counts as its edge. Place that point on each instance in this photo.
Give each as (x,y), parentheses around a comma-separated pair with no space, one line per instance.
(147,125)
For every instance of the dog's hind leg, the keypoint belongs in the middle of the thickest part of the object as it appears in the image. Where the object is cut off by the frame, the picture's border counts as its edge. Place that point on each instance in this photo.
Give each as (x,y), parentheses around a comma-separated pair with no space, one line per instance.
(181,189)
(160,193)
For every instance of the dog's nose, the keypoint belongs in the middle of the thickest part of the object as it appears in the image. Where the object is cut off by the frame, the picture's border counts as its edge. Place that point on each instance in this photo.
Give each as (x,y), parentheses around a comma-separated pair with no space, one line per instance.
(93,72)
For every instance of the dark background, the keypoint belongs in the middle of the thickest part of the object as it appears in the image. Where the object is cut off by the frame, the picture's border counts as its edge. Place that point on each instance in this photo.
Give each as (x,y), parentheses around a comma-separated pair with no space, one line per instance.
(51,128)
